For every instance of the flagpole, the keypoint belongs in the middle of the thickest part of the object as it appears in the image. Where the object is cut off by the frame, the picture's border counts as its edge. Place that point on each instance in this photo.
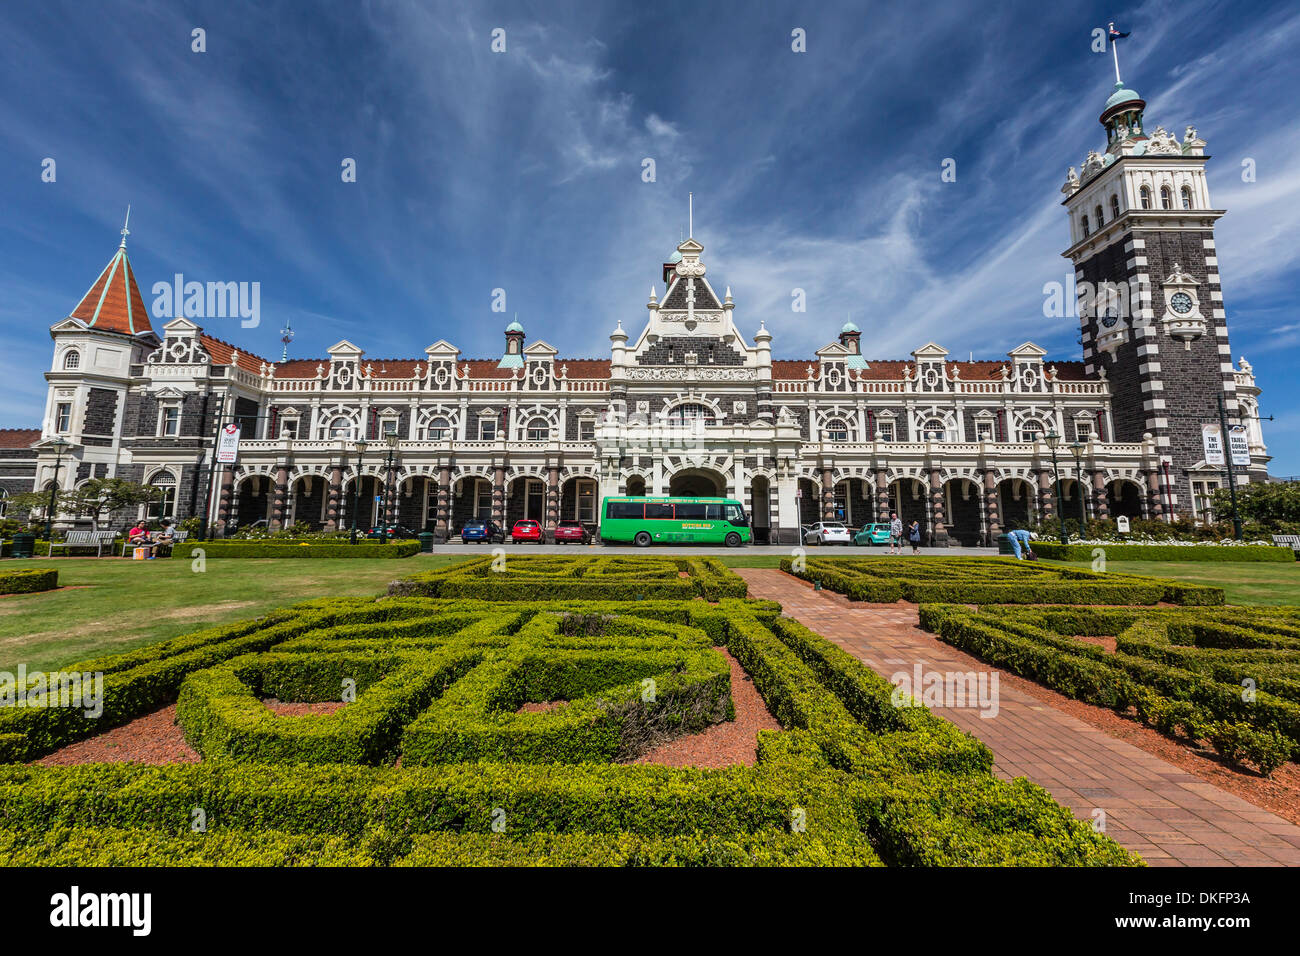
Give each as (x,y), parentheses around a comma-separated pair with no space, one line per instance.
(1114,49)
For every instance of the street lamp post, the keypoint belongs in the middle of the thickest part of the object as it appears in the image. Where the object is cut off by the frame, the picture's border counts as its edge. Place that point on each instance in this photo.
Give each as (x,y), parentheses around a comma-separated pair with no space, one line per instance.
(1052,440)
(360,446)
(59,445)
(390,498)
(1076,449)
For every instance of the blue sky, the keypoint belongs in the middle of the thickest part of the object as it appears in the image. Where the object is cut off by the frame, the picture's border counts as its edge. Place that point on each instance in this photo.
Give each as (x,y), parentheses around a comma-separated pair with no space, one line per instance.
(522,170)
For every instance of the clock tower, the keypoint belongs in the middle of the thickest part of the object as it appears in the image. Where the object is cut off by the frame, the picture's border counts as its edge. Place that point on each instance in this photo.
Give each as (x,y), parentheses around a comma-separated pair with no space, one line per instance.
(1151,309)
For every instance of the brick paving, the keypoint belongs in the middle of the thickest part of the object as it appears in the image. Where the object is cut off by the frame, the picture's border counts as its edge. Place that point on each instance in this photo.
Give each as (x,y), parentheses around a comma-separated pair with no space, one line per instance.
(1167,815)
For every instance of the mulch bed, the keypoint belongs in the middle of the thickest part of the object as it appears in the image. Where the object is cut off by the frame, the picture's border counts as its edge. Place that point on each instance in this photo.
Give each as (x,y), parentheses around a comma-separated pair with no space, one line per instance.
(541,707)
(154,739)
(282,708)
(726,744)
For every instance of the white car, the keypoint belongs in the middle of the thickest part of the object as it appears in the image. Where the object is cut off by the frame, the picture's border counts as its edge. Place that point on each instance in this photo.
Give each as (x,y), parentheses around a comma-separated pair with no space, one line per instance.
(827,532)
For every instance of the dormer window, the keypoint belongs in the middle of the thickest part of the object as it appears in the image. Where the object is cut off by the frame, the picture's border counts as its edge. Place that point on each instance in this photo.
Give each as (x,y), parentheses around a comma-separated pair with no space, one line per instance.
(1187,198)
(1145,194)
(1086,230)
(72,360)
(1166,198)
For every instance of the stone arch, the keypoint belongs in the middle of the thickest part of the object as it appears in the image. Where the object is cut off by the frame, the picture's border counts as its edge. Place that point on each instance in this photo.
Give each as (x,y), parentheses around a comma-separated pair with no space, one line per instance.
(1124,497)
(963,507)
(698,482)
(1017,502)
(854,501)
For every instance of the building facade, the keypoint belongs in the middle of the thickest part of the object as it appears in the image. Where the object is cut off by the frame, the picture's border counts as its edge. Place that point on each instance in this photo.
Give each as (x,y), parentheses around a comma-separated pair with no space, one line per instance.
(691,405)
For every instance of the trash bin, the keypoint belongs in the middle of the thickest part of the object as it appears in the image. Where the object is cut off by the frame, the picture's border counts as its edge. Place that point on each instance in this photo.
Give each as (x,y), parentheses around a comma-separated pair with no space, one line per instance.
(426,541)
(1004,545)
(23,545)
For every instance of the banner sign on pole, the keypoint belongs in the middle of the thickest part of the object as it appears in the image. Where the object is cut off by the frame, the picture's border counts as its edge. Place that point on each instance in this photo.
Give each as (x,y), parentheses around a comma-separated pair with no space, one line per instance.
(1212,437)
(228,444)
(1239,445)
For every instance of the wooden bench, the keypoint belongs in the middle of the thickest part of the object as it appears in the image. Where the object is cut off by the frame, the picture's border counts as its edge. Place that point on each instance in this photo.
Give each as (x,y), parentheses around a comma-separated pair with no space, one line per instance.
(1291,541)
(86,539)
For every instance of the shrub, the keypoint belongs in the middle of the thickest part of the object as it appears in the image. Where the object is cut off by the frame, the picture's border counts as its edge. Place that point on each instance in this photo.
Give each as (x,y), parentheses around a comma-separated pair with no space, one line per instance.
(28,581)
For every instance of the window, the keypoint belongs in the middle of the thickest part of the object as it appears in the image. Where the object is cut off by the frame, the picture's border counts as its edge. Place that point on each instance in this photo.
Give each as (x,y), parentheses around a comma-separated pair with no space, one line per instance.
(387,426)
(1166,198)
(734,514)
(692,412)
(836,430)
(658,510)
(933,430)
(487,429)
(72,360)
(538,430)
(63,417)
(1145,195)
(1114,207)
(692,510)
(165,506)
(439,429)
(1203,499)
(1100,219)
(587,501)
(4,501)
(1031,431)
(886,430)
(534,499)
(1187,198)
(483,498)
(984,431)
(1086,230)
(1082,430)
(169,421)
(289,428)
(623,509)
(340,428)
(586,429)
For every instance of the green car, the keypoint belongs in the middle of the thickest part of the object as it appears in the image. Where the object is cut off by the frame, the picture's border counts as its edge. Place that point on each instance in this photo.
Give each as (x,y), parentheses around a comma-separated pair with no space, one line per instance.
(872,534)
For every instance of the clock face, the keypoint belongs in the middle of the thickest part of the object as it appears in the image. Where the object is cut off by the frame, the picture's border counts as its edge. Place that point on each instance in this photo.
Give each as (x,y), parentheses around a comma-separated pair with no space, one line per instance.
(1110,318)
(1181,303)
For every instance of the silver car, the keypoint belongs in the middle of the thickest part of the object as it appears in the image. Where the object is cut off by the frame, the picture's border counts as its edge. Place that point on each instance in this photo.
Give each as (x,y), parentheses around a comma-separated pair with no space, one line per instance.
(827,532)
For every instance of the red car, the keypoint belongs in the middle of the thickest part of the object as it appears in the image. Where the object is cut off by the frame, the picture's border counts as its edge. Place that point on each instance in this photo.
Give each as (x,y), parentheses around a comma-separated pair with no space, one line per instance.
(527,530)
(571,531)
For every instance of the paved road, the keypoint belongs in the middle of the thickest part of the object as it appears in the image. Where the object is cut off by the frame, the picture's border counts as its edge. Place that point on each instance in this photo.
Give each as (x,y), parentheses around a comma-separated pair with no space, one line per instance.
(697,550)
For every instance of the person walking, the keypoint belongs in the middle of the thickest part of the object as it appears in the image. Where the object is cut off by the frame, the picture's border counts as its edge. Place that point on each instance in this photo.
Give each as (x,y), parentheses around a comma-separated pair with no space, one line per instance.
(895,533)
(914,536)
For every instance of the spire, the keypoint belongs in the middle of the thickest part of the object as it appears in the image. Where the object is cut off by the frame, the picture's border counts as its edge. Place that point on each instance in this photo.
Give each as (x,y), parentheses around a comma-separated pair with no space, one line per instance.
(126,226)
(691,214)
(286,336)
(113,303)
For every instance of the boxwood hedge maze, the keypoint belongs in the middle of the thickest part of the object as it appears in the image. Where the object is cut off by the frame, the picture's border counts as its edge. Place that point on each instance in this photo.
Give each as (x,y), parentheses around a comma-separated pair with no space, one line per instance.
(492,717)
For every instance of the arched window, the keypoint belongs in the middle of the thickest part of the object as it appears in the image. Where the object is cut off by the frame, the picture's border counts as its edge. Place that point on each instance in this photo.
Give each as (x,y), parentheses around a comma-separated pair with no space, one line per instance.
(538,430)
(439,429)
(165,506)
(1145,195)
(836,430)
(933,430)
(1101,221)
(1187,198)
(71,360)
(692,412)
(4,501)
(340,428)
(1166,198)
(1114,207)
(1031,431)
(1086,230)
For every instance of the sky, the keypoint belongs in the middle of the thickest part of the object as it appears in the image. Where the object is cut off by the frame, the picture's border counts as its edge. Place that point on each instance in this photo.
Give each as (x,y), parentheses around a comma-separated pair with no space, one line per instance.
(524,169)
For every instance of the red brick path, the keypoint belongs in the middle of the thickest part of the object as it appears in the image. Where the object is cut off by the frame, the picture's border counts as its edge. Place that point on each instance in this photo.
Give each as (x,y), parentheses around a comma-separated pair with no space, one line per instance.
(1163,813)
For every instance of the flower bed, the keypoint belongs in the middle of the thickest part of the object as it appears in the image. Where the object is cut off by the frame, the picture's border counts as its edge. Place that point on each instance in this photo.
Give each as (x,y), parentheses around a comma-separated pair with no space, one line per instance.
(989,581)
(1229,676)
(1163,551)
(439,682)
(28,581)
(279,548)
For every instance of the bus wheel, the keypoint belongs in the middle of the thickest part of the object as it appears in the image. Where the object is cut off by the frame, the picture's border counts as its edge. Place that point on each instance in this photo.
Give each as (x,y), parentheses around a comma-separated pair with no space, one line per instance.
(642,539)
(732,540)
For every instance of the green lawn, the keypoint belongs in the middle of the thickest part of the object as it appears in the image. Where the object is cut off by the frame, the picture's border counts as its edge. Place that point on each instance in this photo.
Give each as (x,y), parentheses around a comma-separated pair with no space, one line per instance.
(108,605)
(1245,582)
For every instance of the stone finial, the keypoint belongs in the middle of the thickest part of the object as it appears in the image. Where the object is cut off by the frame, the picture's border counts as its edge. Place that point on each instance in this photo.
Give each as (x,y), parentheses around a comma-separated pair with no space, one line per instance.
(564,371)
(320,370)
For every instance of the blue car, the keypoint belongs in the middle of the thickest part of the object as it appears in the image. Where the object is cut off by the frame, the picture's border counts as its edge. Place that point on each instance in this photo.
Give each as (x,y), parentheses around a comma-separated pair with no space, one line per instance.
(482,530)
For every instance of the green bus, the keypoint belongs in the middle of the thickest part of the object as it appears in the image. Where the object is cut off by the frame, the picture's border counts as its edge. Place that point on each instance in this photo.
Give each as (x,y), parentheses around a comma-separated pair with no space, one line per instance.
(647,521)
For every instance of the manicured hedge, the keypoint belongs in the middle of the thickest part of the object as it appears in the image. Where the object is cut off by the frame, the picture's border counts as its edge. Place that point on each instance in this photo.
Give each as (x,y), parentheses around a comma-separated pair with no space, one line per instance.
(1173,686)
(280,549)
(115,846)
(989,581)
(1164,552)
(850,780)
(28,581)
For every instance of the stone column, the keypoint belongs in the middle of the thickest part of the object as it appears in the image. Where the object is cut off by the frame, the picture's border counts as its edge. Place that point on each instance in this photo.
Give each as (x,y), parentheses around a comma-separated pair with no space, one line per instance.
(442,516)
(552,500)
(1046,500)
(828,495)
(332,498)
(279,496)
(992,507)
(1155,495)
(225,498)
(499,493)
(1100,507)
(938,528)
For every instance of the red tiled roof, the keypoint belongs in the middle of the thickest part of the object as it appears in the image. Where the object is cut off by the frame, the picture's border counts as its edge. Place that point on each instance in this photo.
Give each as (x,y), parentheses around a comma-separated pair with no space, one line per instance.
(223,352)
(19,437)
(584,368)
(113,303)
